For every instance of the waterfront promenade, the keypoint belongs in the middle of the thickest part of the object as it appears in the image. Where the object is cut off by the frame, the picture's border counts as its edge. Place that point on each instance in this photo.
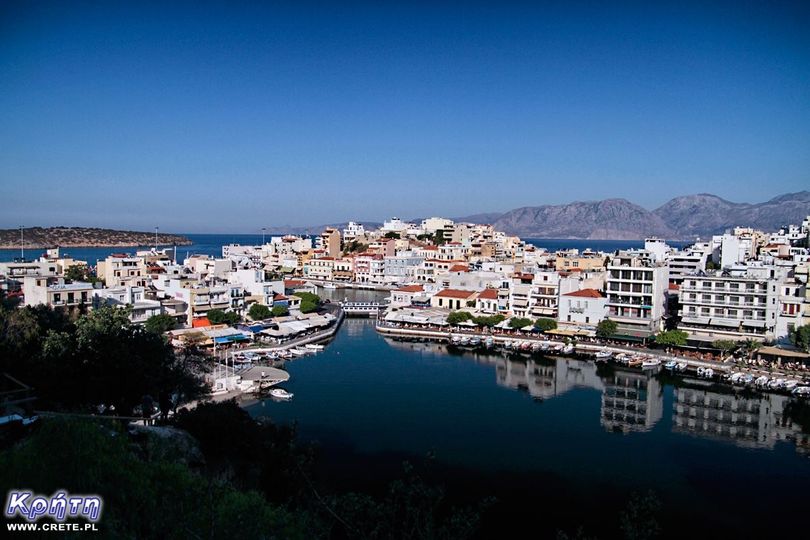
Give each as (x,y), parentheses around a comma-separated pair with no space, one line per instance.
(583,346)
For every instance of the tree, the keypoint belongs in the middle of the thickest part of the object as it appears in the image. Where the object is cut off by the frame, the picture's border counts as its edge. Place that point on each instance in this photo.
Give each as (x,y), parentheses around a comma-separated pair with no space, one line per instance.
(800,337)
(309,301)
(456,317)
(726,346)
(218,316)
(279,311)
(259,312)
(392,234)
(544,324)
(519,322)
(606,328)
(160,323)
(711,265)
(80,272)
(488,320)
(749,346)
(671,338)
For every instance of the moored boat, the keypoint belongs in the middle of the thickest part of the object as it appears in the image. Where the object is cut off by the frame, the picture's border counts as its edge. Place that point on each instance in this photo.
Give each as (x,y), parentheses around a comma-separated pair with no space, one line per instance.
(650,363)
(280,393)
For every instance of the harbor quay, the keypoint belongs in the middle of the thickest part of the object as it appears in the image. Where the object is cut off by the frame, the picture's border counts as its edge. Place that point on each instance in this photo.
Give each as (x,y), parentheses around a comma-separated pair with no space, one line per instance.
(729,371)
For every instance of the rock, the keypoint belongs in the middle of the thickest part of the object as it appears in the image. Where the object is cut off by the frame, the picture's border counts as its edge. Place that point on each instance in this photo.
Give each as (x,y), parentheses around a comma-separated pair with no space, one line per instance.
(164,443)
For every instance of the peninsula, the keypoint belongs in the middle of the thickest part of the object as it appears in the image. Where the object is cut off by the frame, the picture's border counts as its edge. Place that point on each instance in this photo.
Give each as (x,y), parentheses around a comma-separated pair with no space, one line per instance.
(46,237)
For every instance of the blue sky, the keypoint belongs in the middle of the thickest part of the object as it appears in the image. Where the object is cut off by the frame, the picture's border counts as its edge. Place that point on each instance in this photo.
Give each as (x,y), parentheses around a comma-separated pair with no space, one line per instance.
(230,117)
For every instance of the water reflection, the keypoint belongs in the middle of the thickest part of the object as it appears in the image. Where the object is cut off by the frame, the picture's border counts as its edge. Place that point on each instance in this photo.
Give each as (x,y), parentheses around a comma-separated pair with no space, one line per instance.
(633,401)
(755,420)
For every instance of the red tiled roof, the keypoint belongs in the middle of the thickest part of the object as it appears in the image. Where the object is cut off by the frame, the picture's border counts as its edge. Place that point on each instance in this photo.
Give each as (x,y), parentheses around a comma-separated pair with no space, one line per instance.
(454,293)
(410,288)
(201,322)
(674,287)
(585,293)
(459,268)
(293,283)
(489,294)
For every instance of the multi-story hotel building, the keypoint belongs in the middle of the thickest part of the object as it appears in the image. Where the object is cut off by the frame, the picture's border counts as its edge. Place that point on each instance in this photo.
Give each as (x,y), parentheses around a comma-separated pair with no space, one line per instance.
(636,294)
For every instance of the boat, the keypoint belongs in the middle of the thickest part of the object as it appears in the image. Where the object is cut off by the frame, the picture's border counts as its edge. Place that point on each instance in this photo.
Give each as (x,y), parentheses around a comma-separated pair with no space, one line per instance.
(790,385)
(298,352)
(475,341)
(568,349)
(455,340)
(603,355)
(708,373)
(464,341)
(280,393)
(650,363)
(313,347)
(681,366)
(558,347)
(761,382)
(672,365)
(329,286)
(801,391)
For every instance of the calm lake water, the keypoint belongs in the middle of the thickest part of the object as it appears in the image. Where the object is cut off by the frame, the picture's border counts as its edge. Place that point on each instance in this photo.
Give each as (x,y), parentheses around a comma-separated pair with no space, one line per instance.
(550,439)
(211,244)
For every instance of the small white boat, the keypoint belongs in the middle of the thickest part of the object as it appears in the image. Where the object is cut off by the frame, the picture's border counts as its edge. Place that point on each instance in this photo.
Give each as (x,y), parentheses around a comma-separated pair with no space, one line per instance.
(801,391)
(330,286)
(568,349)
(280,393)
(603,355)
(313,347)
(761,381)
(672,365)
(681,366)
(650,363)
(790,385)
(708,373)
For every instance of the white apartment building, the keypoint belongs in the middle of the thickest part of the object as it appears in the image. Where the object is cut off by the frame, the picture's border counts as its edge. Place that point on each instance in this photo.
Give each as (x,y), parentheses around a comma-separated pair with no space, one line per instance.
(729,306)
(54,292)
(636,294)
(583,308)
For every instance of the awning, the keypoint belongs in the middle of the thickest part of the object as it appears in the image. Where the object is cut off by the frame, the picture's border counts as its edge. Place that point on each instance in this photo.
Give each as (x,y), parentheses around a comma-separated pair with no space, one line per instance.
(754,324)
(725,322)
(695,320)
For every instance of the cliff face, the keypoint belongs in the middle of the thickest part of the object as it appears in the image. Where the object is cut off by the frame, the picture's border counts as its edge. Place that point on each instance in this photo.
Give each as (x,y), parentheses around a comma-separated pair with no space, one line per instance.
(46,237)
(609,219)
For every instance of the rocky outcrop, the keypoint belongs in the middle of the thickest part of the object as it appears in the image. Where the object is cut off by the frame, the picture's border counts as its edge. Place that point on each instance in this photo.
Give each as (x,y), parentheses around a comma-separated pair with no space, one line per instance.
(164,443)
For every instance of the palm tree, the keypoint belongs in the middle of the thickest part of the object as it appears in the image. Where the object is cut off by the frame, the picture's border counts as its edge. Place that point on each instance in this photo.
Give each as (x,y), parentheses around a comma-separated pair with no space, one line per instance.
(749,346)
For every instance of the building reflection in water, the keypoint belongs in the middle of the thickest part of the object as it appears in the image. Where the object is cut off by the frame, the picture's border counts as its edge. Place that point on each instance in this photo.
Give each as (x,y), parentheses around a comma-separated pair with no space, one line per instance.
(633,401)
(755,420)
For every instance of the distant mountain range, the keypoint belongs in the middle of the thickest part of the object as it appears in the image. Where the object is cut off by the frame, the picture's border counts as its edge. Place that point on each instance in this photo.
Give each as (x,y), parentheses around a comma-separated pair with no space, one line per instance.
(682,218)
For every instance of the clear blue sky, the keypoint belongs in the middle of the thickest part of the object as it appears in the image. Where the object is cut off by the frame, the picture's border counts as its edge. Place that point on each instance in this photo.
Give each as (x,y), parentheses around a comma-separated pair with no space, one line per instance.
(230,117)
